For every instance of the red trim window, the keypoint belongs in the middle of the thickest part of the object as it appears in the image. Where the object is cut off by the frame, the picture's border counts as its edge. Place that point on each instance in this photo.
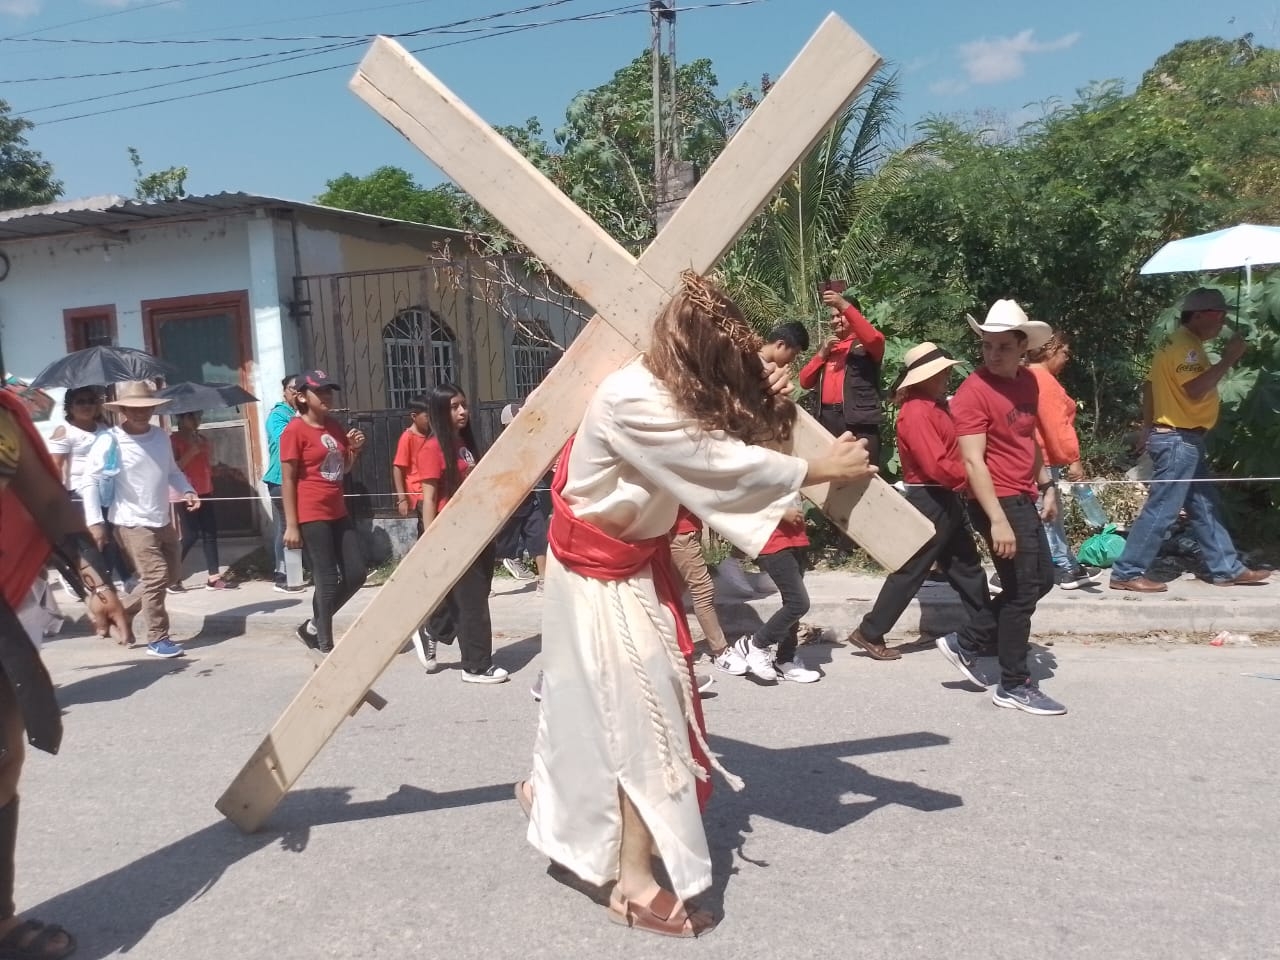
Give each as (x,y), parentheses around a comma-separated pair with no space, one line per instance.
(90,327)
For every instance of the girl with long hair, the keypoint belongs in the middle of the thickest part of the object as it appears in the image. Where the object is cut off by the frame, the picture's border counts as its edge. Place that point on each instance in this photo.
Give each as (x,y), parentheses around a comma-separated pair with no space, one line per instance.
(620,767)
(444,461)
(315,454)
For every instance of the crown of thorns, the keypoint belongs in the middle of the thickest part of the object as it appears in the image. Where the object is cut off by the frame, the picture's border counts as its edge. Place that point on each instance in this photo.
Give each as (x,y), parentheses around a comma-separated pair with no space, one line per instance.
(704,295)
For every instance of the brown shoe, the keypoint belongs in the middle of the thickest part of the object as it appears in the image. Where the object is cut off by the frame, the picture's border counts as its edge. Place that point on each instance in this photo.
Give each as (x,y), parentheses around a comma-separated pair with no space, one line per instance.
(1247,578)
(1140,585)
(875,648)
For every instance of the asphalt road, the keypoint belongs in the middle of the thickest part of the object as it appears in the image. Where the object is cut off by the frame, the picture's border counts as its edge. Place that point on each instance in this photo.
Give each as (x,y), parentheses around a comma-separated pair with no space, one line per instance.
(890,811)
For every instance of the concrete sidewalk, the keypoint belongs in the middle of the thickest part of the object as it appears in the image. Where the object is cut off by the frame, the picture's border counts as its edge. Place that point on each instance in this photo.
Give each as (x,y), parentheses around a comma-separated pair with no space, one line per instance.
(1191,610)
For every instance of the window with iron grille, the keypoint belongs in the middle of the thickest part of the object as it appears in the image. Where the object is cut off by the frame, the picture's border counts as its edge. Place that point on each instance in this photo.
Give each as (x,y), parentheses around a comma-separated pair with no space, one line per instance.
(89,327)
(531,356)
(418,353)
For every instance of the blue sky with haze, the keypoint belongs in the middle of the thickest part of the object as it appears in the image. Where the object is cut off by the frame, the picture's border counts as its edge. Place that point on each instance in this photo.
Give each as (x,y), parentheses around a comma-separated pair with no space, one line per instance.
(286,138)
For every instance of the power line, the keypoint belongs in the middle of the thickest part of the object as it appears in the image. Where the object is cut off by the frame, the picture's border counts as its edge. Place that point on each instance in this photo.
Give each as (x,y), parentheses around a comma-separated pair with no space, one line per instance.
(168,66)
(99,16)
(318,36)
(495,32)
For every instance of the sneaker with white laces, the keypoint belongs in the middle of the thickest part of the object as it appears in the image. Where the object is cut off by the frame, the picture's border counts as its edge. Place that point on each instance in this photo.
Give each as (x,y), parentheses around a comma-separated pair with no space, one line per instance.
(424,645)
(517,569)
(960,658)
(164,648)
(1027,697)
(759,659)
(306,632)
(492,675)
(794,669)
(730,661)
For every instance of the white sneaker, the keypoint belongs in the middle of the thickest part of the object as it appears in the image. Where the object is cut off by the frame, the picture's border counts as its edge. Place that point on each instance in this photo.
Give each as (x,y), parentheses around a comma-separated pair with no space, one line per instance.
(703,681)
(759,662)
(730,661)
(797,671)
(492,675)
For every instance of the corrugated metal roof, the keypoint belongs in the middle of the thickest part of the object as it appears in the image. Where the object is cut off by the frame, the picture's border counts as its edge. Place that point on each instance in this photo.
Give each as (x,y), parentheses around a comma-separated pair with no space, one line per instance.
(116,213)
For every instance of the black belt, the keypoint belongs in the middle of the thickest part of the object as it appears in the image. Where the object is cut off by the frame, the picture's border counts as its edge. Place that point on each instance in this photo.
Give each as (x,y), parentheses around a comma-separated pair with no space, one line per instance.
(1198,431)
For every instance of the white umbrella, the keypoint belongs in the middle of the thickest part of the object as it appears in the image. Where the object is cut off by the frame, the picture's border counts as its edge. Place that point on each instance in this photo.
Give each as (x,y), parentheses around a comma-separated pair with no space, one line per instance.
(1243,246)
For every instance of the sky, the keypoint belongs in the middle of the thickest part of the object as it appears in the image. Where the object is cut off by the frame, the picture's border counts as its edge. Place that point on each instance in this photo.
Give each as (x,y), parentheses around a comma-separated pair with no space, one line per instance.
(288,137)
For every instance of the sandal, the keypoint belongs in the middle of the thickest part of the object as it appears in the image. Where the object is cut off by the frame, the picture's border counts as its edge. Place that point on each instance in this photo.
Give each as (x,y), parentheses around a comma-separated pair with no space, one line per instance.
(664,915)
(874,648)
(30,940)
(524,799)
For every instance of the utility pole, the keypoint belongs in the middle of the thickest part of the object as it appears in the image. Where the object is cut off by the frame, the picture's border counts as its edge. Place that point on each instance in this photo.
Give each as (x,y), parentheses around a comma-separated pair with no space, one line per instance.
(673,178)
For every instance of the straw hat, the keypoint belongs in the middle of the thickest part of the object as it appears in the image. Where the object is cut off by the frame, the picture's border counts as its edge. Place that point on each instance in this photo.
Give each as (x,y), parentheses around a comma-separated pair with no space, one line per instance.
(921,363)
(136,393)
(1006,316)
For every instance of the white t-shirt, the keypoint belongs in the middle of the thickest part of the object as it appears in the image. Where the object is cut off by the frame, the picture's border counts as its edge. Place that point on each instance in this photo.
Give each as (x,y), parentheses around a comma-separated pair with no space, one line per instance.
(147,472)
(75,444)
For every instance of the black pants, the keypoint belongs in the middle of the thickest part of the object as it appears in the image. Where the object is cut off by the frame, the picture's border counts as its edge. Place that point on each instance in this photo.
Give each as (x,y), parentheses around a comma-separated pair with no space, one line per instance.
(464,613)
(786,569)
(831,416)
(1024,579)
(201,525)
(337,569)
(525,531)
(953,549)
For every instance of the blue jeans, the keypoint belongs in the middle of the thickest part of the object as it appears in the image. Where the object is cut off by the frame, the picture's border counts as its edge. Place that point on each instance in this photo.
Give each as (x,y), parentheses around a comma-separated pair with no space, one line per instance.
(1178,457)
(1056,533)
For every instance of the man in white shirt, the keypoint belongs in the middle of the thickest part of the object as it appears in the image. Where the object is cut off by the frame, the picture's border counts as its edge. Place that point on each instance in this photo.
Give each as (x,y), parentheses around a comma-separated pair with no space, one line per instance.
(140,510)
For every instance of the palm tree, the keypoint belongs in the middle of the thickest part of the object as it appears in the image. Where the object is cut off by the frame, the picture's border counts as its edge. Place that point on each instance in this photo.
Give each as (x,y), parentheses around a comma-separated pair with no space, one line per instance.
(824,222)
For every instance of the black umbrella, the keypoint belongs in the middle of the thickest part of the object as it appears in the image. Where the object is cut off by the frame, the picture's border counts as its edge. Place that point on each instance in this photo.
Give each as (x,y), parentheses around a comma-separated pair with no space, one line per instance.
(99,366)
(190,397)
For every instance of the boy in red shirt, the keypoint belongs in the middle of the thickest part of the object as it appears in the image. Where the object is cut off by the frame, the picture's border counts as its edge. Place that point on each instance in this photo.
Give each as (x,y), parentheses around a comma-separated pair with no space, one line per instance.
(995,414)
(783,559)
(405,478)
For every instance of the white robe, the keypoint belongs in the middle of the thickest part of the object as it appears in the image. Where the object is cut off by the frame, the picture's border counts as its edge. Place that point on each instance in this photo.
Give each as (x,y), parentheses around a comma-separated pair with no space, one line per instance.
(613,712)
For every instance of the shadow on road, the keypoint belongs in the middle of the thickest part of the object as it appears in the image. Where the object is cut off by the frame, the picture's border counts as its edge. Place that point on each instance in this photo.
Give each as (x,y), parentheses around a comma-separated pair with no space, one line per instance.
(115,912)
(119,684)
(226,624)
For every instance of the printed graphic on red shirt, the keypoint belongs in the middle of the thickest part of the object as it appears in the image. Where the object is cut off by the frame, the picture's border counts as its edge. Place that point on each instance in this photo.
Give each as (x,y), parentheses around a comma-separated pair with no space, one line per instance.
(319,458)
(1004,409)
(431,468)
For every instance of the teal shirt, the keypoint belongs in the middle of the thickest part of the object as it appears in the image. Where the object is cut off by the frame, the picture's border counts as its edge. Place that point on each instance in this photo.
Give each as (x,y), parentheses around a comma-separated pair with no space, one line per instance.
(277,420)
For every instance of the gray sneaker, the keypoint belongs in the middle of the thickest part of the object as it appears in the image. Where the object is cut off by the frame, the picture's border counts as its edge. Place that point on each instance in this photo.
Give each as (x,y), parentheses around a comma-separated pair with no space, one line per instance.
(1027,698)
(960,658)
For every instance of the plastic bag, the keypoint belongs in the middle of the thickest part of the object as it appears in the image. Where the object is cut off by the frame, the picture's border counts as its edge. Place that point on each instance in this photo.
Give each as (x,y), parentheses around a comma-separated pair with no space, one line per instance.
(1102,549)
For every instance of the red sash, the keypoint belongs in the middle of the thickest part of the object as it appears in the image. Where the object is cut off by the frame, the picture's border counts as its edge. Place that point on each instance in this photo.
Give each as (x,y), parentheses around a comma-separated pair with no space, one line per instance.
(23,547)
(589,552)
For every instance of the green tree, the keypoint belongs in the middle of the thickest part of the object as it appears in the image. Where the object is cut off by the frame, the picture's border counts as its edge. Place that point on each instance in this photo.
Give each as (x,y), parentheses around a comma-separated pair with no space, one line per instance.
(26,178)
(393,192)
(167,184)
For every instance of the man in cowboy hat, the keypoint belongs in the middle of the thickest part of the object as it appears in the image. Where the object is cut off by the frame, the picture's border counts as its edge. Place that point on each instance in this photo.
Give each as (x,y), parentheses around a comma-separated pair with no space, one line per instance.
(140,510)
(1182,389)
(995,414)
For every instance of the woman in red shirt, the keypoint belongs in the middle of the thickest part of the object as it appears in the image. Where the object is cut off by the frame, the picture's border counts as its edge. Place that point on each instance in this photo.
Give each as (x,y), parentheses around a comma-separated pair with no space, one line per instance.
(934,475)
(443,463)
(191,452)
(315,455)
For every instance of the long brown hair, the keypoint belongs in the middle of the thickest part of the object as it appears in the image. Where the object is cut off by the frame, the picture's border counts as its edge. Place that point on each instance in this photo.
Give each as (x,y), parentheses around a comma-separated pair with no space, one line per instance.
(708,357)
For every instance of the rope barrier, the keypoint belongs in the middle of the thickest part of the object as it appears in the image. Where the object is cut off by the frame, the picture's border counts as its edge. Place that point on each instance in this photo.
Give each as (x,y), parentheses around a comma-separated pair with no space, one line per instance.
(1102,482)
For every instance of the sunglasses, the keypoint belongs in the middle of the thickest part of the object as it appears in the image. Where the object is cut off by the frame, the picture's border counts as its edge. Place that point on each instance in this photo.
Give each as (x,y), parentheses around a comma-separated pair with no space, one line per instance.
(86,401)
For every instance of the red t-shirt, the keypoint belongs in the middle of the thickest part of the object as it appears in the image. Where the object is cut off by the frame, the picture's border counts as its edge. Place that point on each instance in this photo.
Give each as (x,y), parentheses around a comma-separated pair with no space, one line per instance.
(686,522)
(408,449)
(1005,410)
(198,469)
(319,456)
(927,444)
(431,467)
(861,331)
(786,535)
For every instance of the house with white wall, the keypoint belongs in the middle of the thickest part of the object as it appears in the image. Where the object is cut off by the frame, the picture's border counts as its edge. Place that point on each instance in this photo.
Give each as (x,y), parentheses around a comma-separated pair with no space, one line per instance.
(240,288)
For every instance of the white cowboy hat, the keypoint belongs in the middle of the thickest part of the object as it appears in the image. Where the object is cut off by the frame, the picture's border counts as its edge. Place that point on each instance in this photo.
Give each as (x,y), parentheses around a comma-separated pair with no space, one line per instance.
(1005,316)
(136,393)
(921,363)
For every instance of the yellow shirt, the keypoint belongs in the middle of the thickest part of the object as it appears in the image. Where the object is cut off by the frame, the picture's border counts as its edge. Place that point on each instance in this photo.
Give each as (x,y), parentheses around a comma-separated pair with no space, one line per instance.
(1181,360)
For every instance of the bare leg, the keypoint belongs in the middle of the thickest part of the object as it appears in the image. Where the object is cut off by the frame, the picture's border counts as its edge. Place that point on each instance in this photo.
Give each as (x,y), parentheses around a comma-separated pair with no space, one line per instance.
(540,563)
(635,864)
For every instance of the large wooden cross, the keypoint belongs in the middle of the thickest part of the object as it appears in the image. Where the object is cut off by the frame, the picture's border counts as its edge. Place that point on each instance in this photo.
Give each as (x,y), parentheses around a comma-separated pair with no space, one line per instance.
(627,296)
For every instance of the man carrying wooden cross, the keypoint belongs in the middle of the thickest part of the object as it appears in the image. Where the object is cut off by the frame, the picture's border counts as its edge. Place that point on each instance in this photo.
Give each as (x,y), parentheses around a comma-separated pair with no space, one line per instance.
(621,762)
